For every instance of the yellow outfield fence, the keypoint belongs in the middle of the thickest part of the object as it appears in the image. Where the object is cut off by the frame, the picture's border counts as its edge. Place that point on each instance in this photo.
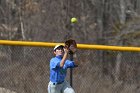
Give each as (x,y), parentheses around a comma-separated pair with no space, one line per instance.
(81,46)
(24,68)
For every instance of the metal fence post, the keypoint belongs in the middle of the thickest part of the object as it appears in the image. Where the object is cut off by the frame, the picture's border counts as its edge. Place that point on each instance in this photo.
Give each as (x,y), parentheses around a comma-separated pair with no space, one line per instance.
(71,70)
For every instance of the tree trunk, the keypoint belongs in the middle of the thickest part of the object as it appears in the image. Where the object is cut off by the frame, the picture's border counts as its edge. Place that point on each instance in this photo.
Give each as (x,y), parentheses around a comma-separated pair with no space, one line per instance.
(122,12)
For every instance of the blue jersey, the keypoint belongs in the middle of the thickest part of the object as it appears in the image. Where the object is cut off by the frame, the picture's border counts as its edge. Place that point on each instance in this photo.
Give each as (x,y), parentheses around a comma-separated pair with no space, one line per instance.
(57,73)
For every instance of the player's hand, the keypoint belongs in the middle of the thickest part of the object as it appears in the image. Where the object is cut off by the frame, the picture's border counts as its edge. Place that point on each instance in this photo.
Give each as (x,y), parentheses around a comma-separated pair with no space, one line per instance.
(66,50)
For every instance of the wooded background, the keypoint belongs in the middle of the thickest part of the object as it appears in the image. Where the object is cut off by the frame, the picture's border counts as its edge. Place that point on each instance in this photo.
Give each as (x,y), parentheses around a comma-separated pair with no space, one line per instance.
(105,22)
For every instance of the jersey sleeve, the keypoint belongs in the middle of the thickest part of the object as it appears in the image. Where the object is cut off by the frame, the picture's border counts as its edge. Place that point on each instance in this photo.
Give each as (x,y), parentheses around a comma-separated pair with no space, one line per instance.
(54,63)
(70,64)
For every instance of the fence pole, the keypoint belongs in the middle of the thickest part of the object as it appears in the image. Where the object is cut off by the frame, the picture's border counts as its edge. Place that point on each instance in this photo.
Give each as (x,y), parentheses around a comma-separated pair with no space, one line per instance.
(71,70)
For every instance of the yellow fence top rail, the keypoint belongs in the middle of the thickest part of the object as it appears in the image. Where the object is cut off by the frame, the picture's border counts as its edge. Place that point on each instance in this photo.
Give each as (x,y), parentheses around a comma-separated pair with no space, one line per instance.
(80,46)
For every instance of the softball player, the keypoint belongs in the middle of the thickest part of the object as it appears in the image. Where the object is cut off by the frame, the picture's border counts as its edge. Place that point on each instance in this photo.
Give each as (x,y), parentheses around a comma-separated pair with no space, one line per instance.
(58,71)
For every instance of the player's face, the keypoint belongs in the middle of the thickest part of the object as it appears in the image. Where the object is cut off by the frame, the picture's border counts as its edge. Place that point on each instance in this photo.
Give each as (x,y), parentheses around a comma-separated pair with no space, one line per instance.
(59,51)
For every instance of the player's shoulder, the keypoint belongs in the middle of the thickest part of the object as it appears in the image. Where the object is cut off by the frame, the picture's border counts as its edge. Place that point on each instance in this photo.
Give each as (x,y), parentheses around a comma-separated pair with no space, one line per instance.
(54,59)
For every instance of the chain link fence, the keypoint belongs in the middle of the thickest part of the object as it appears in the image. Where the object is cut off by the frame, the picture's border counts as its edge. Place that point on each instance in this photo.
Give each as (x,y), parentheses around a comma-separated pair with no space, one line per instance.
(26,70)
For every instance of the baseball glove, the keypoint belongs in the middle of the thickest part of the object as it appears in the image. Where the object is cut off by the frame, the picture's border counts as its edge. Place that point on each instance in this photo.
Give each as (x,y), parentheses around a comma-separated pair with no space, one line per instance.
(71,45)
